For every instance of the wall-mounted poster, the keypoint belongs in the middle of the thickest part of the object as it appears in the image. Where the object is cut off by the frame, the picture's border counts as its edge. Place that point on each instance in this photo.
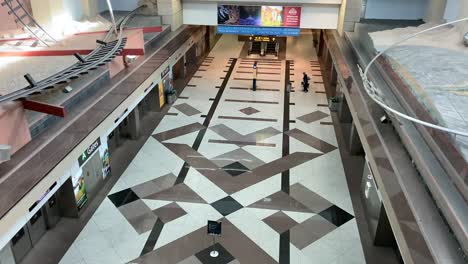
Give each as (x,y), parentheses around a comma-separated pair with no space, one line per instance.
(250,16)
(106,169)
(228,15)
(272,16)
(79,189)
(292,16)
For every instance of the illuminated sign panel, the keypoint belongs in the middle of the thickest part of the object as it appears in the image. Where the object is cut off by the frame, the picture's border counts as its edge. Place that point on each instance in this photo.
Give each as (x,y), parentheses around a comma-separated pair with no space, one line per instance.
(259,31)
(260,16)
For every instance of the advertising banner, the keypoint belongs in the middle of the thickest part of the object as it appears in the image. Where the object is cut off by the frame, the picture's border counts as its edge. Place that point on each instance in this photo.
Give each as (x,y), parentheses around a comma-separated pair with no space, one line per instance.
(259,16)
(292,16)
(260,31)
(79,189)
(250,16)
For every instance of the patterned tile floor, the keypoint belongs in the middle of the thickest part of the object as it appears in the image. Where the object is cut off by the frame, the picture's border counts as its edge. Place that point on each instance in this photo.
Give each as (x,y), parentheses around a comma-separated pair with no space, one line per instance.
(229,154)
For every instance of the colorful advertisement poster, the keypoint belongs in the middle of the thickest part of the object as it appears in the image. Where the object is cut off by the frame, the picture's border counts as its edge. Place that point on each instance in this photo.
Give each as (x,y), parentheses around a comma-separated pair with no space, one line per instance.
(79,188)
(106,169)
(272,16)
(292,16)
(260,31)
(259,16)
(250,16)
(228,15)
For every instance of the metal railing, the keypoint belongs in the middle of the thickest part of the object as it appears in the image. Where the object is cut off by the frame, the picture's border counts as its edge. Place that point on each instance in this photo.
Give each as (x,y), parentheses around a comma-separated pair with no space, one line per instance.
(106,51)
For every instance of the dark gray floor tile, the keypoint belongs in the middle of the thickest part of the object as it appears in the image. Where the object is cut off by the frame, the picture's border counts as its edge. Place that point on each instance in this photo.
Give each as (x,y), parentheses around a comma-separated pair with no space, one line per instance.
(224,256)
(336,215)
(123,197)
(235,169)
(226,206)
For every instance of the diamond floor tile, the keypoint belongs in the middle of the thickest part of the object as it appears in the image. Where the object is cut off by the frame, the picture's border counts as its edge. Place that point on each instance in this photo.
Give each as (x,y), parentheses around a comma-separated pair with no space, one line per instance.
(235,169)
(336,215)
(227,206)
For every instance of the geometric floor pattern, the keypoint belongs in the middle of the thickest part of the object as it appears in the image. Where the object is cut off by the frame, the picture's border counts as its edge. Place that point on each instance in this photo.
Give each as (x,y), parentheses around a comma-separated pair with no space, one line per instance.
(280,194)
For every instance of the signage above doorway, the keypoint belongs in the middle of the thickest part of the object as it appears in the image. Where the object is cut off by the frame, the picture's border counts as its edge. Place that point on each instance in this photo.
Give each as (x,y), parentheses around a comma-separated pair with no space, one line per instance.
(262,39)
(89,151)
(165,72)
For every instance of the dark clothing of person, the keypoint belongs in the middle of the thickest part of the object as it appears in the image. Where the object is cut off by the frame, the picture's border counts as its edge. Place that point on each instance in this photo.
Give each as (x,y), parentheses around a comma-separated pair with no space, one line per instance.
(305,83)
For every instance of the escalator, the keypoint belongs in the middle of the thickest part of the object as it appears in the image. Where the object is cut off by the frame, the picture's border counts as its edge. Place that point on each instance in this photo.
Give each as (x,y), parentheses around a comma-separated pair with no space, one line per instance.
(255,48)
(272,48)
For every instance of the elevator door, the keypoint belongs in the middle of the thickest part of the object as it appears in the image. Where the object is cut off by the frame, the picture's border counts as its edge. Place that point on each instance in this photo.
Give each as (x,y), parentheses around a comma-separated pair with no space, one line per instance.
(51,212)
(21,244)
(92,172)
(36,227)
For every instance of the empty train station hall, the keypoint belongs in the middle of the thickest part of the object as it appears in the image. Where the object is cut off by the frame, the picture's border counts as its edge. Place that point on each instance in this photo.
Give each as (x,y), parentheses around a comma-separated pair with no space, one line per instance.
(233,132)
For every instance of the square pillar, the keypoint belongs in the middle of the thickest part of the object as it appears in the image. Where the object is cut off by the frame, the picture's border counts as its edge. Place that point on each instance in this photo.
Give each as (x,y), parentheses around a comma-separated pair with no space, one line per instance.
(171,13)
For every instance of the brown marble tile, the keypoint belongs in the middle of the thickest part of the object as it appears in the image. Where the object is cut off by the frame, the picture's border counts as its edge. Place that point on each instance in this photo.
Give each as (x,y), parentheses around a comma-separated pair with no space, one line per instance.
(248,119)
(249,111)
(281,201)
(150,187)
(190,260)
(244,180)
(187,109)
(250,101)
(177,193)
(254,137)
(143,223)
(258,80)
(240,155)
(258,89)
(169,212)
(280,222)
(310,199)
(310,140)
(312,117)
(177,132)
(234,241)
(309,231)
(242,143)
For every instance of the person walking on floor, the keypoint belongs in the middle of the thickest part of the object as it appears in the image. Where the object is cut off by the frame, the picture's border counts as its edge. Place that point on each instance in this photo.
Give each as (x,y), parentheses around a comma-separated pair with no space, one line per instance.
(254,87)
(305,82)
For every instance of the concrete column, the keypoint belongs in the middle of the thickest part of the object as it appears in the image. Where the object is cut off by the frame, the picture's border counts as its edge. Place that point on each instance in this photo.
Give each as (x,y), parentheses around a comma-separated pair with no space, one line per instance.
(90,8)
(171,13)
(343,112)
(350,13)
(355,145)
(463,12)
(435,11)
